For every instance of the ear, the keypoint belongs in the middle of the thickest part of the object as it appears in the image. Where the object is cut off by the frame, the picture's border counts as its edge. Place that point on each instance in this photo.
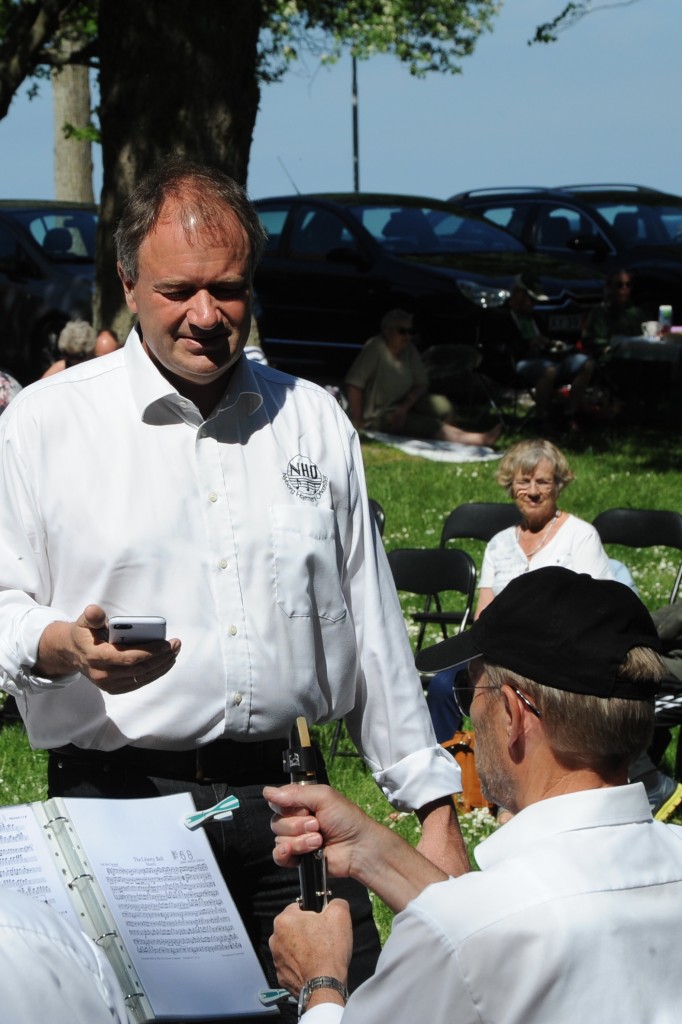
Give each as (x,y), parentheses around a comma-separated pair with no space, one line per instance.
(516,721)
(128,289)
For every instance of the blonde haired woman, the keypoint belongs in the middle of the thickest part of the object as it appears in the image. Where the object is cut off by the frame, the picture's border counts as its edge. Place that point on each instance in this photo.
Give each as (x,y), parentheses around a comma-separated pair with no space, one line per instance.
(534,473)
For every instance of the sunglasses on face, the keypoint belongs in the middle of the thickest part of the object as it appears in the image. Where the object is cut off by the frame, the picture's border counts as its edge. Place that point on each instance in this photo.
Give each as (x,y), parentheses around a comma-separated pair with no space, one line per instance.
(465,693)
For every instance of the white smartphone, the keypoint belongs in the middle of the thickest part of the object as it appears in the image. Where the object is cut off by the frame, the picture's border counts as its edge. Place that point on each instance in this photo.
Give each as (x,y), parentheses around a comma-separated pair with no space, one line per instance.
(136,629)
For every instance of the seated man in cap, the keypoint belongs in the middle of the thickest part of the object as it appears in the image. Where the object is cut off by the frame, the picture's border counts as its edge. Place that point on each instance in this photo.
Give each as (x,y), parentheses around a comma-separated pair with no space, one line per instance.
(574,915)
(544,364)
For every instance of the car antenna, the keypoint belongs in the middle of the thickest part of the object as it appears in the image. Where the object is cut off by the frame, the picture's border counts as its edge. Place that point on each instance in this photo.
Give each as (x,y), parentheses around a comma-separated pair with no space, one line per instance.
(298,191)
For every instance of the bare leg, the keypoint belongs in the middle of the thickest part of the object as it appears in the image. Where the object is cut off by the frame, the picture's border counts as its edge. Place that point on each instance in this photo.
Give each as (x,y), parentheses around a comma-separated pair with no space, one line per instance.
(579,386)
(544,388)
(457,436)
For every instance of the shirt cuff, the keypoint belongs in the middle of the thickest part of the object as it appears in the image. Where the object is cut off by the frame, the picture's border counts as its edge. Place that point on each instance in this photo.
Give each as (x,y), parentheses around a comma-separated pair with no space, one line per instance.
(323,1013)
(420,778)
(25,654)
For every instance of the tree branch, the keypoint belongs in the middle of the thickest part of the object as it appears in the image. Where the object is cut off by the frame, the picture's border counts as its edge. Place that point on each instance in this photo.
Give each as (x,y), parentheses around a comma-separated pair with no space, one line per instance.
(572,13)
(27,28)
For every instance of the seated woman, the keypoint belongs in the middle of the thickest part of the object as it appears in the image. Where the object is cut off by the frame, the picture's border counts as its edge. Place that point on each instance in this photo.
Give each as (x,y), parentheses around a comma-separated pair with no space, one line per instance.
(533,473)
(387,389)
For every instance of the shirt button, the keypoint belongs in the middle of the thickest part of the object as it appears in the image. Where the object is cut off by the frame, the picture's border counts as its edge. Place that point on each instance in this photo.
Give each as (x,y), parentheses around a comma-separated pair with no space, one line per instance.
(233,631)
(213,496)
(237,699)
(222,564)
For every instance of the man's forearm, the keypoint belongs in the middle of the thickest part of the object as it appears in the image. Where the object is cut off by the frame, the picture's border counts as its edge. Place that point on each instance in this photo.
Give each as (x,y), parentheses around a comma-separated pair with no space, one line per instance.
(390,867)
(442,841)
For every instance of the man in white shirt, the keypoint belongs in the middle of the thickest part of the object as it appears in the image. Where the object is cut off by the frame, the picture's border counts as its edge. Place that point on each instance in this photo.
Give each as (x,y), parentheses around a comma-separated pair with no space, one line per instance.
(176,478)
(50,971)
(574,915)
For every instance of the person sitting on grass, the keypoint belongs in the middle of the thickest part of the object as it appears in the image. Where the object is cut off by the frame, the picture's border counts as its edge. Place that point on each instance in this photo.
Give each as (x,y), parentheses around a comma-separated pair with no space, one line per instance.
(574,914)
(387,389)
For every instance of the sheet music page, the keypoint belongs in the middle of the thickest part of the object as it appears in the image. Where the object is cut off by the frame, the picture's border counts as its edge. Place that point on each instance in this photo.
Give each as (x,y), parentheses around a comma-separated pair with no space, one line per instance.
(171,905)
(28,863)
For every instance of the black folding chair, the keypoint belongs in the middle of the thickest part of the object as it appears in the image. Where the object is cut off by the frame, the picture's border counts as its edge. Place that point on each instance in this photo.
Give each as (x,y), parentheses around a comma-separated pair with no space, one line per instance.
(479,520)
(434,573)
(642,528)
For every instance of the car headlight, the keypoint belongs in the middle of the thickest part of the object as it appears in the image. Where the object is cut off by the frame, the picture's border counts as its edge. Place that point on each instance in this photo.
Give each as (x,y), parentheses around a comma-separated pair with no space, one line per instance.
(486,298)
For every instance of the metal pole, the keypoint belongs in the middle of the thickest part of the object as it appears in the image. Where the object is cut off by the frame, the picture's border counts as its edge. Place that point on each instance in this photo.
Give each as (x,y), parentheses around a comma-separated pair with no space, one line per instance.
(356,147)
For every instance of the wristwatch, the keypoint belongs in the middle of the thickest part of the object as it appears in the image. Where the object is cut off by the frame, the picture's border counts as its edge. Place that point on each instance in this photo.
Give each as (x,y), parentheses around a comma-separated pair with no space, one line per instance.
(322,982)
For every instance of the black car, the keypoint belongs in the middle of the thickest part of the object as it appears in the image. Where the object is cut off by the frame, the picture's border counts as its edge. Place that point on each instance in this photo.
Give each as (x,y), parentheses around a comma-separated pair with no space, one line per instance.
(604,227)
(47,265)
(334,264)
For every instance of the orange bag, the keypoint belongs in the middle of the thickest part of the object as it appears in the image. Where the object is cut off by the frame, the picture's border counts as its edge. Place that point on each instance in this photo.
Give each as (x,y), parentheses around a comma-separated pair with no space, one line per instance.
(461,746)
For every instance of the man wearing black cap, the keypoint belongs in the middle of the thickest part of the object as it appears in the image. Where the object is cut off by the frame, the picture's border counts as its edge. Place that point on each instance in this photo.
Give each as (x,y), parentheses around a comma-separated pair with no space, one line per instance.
(574,915)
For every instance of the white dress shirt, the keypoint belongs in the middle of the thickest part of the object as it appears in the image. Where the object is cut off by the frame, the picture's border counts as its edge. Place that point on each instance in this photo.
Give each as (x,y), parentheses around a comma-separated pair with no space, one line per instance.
(575,545)
(51,972)
(573,919)
(250,532)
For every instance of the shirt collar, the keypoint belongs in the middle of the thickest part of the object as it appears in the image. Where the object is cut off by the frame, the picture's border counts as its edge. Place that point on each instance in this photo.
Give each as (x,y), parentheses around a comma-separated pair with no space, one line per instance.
(591,808)
(158,401)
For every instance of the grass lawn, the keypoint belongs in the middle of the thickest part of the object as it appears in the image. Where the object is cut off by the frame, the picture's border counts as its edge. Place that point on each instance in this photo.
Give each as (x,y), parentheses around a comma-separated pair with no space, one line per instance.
(637,467)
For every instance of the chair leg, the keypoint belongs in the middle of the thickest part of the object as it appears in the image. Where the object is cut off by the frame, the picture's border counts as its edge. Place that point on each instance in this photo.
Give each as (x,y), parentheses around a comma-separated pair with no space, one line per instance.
(335,740)
(334,747)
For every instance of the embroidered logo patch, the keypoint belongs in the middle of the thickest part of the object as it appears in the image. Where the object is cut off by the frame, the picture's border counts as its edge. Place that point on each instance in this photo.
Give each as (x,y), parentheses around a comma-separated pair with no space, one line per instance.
(304,479)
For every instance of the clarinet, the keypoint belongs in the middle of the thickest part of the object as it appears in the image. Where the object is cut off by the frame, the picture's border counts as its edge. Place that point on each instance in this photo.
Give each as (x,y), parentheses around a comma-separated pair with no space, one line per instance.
(299,763)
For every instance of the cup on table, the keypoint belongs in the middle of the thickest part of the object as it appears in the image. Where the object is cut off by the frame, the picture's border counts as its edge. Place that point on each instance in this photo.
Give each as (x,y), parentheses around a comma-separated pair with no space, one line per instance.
(651,329)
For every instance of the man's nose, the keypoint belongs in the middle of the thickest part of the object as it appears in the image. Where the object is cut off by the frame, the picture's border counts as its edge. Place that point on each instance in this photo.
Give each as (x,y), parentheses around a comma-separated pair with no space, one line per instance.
(203,312)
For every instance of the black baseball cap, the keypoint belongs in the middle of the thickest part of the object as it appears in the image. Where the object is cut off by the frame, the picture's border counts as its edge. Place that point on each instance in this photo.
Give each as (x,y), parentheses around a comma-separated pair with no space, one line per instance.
(559,628)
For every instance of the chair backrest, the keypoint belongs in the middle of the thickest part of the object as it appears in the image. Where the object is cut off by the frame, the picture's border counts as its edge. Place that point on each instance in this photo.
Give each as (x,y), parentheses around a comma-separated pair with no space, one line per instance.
(642,528)
(432,573)
(479,520)
(379,515)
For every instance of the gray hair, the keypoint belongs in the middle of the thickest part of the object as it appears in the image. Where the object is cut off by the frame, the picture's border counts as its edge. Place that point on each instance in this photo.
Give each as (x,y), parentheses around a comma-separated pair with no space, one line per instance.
(204,194)
(600,733)
(77,338)
(524,457)
(394,318)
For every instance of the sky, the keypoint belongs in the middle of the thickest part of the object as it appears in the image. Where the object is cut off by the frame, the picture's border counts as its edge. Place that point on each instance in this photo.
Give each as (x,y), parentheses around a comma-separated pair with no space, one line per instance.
(600,105)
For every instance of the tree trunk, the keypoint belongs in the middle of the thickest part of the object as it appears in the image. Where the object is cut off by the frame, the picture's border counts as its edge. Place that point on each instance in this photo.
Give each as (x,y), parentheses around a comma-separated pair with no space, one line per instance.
(72,156)
(177,77)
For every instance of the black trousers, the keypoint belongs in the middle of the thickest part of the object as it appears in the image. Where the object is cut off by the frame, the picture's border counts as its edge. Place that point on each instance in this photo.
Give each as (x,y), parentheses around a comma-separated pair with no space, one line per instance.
(242,847)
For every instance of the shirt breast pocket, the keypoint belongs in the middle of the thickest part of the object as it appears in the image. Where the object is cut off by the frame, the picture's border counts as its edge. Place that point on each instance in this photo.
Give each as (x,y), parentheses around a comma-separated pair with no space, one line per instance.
(307,573)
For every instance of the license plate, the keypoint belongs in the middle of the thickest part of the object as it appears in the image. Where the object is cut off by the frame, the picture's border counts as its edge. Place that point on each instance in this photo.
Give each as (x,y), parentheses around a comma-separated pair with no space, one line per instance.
(565,322)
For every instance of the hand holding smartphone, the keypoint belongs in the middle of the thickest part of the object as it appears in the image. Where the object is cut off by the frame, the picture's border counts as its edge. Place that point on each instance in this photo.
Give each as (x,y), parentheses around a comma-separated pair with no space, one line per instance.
(134,630)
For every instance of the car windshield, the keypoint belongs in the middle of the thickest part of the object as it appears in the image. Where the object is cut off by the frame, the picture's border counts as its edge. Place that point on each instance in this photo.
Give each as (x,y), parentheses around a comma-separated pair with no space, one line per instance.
(423,229)
(66,236)
(642,223)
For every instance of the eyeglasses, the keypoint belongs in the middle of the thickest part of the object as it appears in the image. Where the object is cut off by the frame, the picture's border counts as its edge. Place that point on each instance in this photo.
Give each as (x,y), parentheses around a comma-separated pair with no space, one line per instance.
(465,694)
(525,484)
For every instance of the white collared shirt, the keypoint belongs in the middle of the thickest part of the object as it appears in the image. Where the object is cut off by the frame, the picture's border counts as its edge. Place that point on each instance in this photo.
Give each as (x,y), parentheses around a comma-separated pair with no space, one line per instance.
(248,531)
(573,919)
(51,972)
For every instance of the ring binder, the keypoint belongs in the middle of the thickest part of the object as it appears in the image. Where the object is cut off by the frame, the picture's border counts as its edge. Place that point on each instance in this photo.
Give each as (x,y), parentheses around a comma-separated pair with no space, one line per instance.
(148,891)
(77,878)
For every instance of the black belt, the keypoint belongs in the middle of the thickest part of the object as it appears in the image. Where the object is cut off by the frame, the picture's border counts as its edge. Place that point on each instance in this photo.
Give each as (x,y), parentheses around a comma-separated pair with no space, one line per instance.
(220,761)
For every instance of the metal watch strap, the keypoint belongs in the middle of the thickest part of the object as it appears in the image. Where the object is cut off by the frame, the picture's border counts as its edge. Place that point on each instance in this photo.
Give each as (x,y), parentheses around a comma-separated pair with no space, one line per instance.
(310,986)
